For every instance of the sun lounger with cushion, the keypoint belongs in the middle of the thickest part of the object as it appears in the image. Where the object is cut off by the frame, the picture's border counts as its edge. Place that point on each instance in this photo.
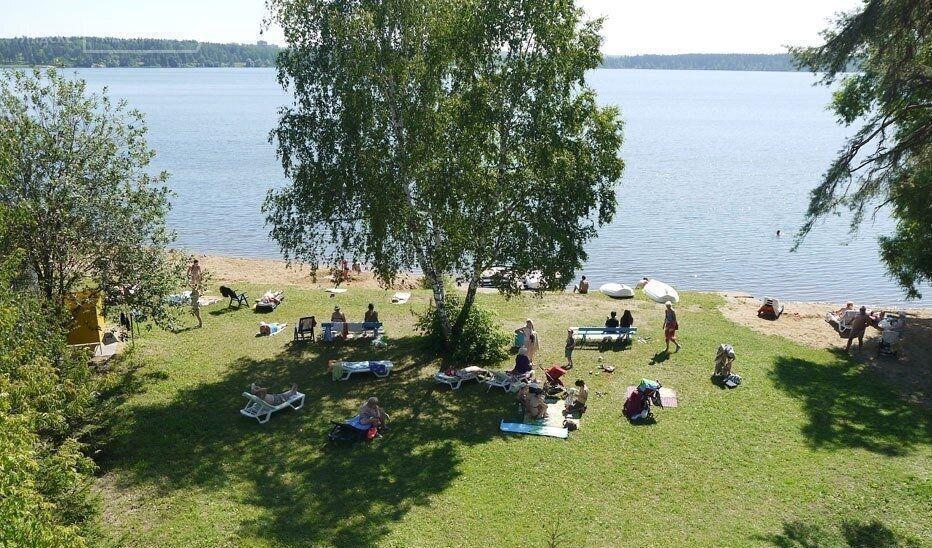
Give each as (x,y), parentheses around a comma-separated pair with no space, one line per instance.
(261,410)
(342,370)
(600,334)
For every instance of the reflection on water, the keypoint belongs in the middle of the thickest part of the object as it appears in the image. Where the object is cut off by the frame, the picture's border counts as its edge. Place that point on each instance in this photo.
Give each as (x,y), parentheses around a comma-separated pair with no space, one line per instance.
(717,162)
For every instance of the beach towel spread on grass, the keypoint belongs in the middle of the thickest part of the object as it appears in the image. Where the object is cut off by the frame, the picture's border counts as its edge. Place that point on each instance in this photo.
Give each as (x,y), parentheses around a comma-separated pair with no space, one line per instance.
(667,396)
(400,298)
(336,290)
(533,429)
(554,416)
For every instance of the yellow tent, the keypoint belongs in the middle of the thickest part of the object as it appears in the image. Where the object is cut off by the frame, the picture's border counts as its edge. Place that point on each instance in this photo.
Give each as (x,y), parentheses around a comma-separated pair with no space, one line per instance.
(87,310)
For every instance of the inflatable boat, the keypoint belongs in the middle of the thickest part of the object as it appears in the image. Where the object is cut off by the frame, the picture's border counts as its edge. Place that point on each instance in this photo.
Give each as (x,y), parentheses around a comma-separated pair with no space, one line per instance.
(617,291)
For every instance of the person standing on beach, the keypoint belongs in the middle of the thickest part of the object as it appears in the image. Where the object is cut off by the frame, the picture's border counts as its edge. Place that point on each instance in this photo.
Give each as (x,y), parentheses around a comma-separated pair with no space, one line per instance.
(670,326)
(570,346)
(195,277)
(194,274)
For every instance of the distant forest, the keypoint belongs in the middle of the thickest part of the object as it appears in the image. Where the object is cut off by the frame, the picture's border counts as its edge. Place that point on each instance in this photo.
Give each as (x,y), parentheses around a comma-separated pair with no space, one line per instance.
(702,61)
(143,52)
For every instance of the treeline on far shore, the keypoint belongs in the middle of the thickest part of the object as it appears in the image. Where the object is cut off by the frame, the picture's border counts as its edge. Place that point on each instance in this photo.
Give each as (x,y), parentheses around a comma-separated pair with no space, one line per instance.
(77,51)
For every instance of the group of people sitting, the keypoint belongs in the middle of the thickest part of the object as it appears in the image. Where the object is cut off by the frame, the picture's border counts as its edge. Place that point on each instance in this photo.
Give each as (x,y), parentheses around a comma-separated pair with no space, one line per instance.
(370,316)
(856,323)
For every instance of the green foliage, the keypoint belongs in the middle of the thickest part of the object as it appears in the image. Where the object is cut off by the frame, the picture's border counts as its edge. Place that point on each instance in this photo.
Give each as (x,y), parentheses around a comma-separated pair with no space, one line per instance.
(481,340)
(445,135)
(46,402)
(87,51)
(80,202)
(887,161)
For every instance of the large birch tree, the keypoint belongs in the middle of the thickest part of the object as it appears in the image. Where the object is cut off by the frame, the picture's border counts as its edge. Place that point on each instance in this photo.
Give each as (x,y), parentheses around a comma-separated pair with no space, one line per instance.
(442,135)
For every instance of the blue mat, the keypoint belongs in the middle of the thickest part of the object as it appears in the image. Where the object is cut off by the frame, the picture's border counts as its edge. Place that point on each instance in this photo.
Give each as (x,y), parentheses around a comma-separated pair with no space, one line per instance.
(534,429)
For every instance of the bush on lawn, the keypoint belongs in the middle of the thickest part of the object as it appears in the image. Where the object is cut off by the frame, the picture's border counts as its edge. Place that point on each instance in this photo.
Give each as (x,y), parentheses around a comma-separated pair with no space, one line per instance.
(481,341)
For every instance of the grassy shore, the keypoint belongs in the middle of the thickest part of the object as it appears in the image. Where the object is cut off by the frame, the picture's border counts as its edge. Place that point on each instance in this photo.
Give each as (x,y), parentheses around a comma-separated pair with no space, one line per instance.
(813,449)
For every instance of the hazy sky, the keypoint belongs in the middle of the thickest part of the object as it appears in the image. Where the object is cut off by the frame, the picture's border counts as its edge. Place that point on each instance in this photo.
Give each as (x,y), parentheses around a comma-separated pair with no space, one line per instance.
(632,26)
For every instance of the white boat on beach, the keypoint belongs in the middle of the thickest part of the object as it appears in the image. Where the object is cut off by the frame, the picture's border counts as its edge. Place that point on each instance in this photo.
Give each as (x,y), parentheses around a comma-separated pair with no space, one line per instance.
(617,291)
(660,292)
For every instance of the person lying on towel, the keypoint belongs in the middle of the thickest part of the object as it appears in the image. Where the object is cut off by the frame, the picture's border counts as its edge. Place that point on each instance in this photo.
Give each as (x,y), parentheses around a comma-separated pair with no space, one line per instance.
(272,399)
(270,328)
(372,414)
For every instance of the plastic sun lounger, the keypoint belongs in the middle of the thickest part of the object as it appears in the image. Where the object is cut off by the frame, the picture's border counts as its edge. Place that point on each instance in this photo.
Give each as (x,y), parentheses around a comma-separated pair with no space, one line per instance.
(584,334)
(349,368)
(455,381)
(506,381)
(261,410)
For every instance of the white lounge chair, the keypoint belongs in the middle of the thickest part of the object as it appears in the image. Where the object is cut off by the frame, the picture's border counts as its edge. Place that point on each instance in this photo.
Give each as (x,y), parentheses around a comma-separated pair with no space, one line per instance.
(455,381)
(261,410)
(507,381)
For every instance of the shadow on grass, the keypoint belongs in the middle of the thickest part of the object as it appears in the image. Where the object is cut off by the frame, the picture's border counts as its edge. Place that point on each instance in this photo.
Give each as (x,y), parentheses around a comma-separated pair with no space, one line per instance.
(226,310)
(856,534)
(850,405)
(660,357)
(305,491)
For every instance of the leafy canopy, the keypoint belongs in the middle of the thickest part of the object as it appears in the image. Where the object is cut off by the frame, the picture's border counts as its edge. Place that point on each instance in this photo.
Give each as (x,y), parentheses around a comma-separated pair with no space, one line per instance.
(443,135)
(81,205)
(889,159)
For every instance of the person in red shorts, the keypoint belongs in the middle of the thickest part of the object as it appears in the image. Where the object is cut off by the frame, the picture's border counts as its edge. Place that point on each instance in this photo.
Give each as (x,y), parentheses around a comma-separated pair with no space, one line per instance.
(670,326)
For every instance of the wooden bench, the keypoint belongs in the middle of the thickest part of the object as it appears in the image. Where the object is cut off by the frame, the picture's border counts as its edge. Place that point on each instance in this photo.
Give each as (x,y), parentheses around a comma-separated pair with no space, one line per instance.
(600,334)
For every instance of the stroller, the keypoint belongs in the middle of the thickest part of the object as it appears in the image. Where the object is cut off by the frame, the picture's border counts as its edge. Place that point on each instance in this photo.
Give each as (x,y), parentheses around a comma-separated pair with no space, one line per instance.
(554,386)
(351,431)
(637,406)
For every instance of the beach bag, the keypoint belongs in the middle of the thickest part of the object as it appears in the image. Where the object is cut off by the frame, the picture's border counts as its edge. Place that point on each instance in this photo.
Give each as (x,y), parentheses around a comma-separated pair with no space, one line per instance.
(646,385)
(732,381)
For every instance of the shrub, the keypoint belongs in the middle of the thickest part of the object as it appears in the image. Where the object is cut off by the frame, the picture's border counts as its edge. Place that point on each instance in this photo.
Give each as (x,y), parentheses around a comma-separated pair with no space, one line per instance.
(480,342)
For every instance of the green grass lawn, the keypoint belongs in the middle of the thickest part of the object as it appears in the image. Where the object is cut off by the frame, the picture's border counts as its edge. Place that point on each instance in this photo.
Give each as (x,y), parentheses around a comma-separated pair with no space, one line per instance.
(812,450)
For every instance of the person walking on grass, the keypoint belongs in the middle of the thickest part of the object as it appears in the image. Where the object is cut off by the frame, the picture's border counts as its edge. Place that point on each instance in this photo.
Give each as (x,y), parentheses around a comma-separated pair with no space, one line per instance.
(196,305)
(570,346)
(670,325)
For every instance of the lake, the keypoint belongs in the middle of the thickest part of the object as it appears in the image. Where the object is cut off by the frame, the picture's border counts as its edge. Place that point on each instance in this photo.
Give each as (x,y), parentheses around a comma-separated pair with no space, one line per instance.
(717,162)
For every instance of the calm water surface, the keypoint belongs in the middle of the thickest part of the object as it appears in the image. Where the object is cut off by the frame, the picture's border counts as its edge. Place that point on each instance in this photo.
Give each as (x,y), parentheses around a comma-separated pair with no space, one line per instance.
(717,162)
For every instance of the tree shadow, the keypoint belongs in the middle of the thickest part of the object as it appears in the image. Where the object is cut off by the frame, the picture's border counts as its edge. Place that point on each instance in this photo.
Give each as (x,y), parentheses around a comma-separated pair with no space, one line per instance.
(849,405)
(307,492)
(875,534)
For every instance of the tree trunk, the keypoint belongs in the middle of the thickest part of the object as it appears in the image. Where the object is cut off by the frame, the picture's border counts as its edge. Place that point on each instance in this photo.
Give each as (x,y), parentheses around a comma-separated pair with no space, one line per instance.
(440,301)
(467,305)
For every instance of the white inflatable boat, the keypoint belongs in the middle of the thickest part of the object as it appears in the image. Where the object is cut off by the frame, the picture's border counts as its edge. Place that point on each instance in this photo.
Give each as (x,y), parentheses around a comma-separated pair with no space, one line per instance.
(660,292)
(617,291)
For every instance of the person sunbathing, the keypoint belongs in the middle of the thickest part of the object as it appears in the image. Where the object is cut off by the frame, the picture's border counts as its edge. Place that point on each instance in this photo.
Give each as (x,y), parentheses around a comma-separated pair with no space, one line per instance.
(270,297)
(372,414)
(534,404)
(848,306)
(270,328)
(337,316)
(522,363)
(579,395)
(273,399)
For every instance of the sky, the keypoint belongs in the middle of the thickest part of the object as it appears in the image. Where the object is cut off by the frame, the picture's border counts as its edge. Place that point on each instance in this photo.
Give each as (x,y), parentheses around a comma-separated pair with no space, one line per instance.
(631,26)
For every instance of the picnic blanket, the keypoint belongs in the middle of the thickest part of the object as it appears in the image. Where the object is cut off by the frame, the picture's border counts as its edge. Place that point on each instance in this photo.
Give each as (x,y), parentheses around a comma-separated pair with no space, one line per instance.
(208,300)
(667,396)
(400,298)
(554,416)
